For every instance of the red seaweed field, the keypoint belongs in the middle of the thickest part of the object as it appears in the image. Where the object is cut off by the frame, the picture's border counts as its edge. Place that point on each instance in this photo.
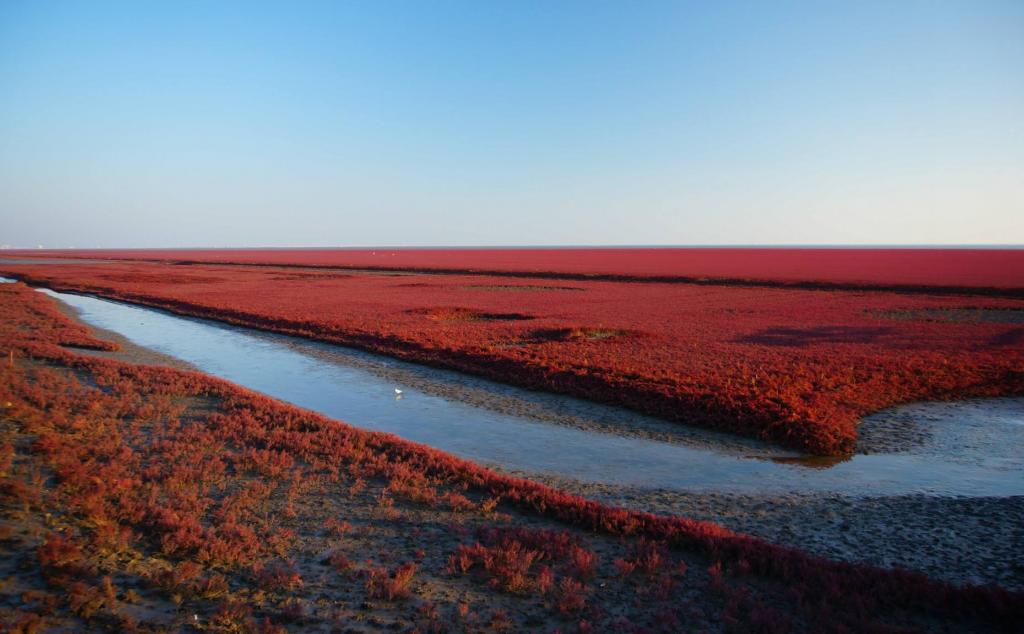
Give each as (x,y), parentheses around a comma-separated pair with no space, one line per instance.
(796,366)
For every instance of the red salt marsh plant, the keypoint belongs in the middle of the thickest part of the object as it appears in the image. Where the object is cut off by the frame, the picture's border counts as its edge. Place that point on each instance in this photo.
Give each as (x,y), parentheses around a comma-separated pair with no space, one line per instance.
(382,583)
(794,366)
(858,268)
(59,552)
(571,597)
(281,576)
(340,562)
(173,482)
(511,557)
(337,528)
(647,556)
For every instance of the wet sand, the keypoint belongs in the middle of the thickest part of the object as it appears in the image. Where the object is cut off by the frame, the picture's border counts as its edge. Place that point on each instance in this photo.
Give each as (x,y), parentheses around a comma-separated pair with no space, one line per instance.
(960,540)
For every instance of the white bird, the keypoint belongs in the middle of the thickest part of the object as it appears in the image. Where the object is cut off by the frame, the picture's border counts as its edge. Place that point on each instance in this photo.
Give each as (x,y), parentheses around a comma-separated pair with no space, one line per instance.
(398,391)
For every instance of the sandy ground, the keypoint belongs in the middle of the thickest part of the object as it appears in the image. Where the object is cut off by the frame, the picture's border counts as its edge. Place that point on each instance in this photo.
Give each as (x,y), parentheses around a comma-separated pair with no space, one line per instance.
(961,540)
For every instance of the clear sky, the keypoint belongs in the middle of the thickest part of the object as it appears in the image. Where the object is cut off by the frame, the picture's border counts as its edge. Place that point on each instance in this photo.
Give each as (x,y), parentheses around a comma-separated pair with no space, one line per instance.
(142,124)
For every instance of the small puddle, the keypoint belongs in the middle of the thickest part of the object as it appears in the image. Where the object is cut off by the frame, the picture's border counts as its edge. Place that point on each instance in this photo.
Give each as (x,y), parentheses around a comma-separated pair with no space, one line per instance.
(972,448)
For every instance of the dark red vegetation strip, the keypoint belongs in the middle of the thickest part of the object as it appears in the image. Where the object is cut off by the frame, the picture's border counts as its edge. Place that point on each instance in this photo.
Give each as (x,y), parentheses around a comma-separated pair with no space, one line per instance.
(795,367)
(833,594)
(992,271)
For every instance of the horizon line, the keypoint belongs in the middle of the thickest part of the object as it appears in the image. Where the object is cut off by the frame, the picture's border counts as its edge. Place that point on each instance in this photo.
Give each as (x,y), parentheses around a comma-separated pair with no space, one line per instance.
(963,246)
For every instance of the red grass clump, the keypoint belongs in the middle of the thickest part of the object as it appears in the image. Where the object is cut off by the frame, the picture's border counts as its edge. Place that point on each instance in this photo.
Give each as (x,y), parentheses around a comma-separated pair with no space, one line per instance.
(59,552)
(390,585)
(340,562)
(282,577)
(507,555)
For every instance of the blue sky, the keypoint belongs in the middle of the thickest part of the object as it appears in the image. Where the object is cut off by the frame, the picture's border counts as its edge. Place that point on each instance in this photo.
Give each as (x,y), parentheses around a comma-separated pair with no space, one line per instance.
(498,123)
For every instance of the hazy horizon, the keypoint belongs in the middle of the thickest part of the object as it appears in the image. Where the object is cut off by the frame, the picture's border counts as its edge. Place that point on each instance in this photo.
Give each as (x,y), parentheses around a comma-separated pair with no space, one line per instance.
(439,247)
(316,125)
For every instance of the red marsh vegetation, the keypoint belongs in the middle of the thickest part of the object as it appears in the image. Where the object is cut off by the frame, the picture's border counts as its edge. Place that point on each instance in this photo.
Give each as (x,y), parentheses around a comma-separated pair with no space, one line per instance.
(794,366)
(972,270)
(141,498)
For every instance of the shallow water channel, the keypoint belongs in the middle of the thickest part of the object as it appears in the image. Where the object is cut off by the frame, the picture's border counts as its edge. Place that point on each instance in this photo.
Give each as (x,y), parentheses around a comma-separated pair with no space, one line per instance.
(974,448)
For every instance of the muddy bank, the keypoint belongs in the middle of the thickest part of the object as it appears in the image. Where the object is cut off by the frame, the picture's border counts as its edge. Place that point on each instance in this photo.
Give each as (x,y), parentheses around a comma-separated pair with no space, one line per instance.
(960,540)
(127,351)
(970,431)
